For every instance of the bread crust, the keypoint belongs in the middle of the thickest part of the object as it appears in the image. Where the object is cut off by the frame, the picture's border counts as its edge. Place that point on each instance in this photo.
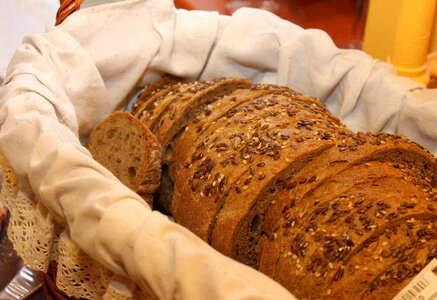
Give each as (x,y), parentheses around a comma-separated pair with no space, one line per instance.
(180,112)
(127,148)
(368,211)
(208,116)
(257,131)
(149,91)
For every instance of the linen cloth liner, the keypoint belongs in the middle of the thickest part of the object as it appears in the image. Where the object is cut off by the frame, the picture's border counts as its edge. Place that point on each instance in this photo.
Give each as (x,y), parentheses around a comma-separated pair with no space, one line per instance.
(60,84)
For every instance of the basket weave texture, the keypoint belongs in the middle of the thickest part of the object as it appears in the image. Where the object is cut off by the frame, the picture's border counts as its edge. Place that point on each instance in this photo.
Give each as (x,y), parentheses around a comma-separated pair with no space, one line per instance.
(66,8)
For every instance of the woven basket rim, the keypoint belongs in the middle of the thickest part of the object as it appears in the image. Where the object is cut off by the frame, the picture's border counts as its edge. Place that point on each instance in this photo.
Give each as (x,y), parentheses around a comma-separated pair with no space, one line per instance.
(66,8)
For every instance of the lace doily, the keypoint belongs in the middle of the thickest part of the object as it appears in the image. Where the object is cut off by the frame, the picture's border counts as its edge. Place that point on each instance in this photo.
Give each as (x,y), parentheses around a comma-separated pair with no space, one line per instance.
(38,240)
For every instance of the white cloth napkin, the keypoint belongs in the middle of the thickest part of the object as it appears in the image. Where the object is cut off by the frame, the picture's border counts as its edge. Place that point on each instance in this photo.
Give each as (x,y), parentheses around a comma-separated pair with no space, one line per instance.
(61,83)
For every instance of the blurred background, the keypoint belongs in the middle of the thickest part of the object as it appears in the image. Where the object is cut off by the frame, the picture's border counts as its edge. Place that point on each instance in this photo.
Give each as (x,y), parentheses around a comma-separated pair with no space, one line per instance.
(401,32)
(343,20)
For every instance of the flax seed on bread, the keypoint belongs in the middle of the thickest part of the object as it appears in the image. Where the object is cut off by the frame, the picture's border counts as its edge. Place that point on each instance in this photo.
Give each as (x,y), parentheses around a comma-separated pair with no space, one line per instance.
(334,237)
(258,131)
(147,101)
(147,94)
(208,116)
(353,150)
(179,112)
(239,215)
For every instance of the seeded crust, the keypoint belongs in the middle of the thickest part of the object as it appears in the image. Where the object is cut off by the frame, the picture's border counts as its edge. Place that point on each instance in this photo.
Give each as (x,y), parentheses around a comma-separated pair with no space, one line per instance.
(404,257)
(176,111)
(146,105)
(191,180)
(354,221)
(343,198)
(231,152)
(181,111)
(385,201)
(399,271)
(353,150)
(150,90)
(245,207)
(123,145)
(207,116)
(181,92)
(349,151)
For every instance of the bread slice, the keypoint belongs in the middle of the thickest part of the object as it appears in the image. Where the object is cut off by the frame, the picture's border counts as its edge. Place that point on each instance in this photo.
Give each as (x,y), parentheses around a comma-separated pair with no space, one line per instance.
(354,150)
(175,111)
(203,117)
(340,240)
(149,91)
(208,115)
(179,111)
(235,106)
(231,152)
(405,248)
(145,105)
(180,149)
(123,145)
(345,195)
(253,216)
(159,103)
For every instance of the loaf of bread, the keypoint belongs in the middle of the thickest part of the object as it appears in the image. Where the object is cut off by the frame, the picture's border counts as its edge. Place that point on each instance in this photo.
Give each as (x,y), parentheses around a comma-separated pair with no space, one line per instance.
(271,178)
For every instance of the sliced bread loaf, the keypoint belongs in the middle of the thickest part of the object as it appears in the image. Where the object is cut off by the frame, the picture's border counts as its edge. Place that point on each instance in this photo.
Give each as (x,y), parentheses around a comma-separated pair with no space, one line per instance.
(235,147)
(329,241)
(145,105)
(149,91)
(269,177)
(253,216)
(208,115)
(179,111)
(353,150)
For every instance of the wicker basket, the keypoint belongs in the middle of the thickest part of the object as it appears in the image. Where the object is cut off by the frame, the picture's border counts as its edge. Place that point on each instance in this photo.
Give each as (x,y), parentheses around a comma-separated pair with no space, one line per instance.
(66,8)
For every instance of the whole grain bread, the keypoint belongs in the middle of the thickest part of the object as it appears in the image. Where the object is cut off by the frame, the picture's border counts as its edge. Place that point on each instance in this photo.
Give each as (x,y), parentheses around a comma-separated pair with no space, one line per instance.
(353,150)
(241,212)
(252,216)
(123,145)
(340,239)
(147,94)
(270,178)
(180,111)
(172,112)
(203,117)
(208,115)
(264,129)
